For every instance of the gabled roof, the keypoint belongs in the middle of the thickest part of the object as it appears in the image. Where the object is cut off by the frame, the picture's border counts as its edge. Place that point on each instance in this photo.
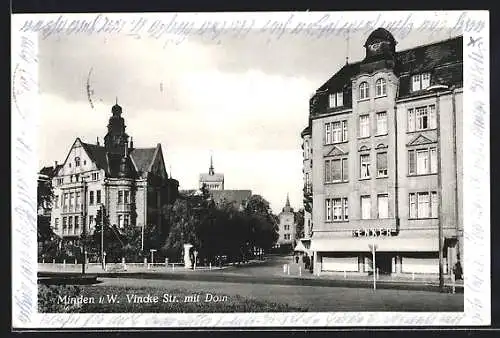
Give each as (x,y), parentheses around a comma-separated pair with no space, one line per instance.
(142,158)
(98,155)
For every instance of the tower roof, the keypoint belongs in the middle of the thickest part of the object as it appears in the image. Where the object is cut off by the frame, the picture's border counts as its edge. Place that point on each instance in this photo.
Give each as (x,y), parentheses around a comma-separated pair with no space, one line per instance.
(380,34)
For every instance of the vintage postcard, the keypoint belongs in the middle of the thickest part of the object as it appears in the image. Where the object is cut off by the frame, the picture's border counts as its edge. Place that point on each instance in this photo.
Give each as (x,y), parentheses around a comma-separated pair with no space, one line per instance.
(232,170)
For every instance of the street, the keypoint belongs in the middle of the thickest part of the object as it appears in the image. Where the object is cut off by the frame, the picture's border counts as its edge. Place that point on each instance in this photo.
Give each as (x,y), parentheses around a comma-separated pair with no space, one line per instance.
(266,281)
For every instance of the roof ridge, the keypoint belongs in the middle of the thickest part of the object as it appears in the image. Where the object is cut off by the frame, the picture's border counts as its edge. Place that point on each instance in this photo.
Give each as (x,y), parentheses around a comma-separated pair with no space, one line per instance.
(430,44)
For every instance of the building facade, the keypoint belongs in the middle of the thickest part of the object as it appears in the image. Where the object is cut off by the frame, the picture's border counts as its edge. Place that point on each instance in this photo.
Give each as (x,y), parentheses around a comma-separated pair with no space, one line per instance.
(287,226)
(131,184)
(385,139)
(212,180)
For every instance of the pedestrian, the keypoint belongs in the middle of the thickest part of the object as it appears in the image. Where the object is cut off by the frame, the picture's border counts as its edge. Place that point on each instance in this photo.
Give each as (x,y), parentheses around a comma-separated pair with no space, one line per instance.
(457,271)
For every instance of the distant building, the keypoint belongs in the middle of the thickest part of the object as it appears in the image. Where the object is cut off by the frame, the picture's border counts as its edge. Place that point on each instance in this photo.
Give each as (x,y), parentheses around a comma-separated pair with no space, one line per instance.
(287,226)
(131,183)
(212,180)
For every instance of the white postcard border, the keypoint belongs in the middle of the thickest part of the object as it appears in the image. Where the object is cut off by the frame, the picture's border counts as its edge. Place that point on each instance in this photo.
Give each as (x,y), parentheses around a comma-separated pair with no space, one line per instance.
(25,115)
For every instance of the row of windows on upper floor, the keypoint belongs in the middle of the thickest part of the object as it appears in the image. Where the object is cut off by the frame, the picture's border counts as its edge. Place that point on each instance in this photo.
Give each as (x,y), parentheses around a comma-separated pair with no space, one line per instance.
(418,81)
(421,205)
(71,224)
(70,199)
(421,161)
(286,236)
(75,178)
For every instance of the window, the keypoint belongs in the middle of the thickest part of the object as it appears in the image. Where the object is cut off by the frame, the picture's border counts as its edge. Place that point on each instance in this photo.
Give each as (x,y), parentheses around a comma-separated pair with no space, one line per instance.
(336,132)
(98,197)
(120,221)
(126,220)
(422,118)
(91,220)
(95,176)
(346,209)
(77,200)
(60,181)
(380,87)
(91,197)
(70,224)
(336,99)
(337,209)
(126,197)
(56,201)
(71,199)
(56,224)
(423,205)
(64,225)
(65,203)
(365,207)
(120,197)
(422,161)
(382,164)
(420,81)
(365,166)
(77,225)
(77,161)
(328,210)
(328,171)
(364,92)
(336,170)
(306,149)
(345,170)
(382,123)
(364,126)
(383,206)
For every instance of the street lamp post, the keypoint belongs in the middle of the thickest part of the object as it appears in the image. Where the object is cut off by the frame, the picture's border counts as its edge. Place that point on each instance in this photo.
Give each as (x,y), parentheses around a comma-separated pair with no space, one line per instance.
(437,89)
(373,247)
(152,256)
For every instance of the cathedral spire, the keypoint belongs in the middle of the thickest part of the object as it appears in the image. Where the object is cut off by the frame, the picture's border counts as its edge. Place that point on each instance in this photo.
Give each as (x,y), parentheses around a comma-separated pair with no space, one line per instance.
(287,204)
(211,169)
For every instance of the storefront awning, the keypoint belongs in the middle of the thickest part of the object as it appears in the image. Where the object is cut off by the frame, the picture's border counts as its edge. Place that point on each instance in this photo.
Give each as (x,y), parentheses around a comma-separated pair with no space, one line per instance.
(392,244)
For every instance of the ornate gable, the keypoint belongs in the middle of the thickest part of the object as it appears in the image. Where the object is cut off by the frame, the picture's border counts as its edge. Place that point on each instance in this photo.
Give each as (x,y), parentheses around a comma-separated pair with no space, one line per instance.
(420,140)
(336,151)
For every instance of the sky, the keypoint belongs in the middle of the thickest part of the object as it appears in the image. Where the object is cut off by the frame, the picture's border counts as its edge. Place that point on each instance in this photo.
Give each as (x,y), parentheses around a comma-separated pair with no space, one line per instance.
(243,100)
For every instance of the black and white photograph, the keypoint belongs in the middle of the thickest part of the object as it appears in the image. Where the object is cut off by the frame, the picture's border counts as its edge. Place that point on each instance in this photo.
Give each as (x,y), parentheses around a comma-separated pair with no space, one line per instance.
(247,167)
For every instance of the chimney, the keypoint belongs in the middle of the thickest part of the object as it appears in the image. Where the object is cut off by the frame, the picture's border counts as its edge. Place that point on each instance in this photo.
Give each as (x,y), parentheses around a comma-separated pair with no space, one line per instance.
(55,164)
(97,140)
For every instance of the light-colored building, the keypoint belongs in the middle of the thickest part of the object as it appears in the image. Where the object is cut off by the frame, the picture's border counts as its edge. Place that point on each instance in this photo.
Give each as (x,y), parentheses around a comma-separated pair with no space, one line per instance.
(130,183)
(287,226)
(385,137)
(212,180)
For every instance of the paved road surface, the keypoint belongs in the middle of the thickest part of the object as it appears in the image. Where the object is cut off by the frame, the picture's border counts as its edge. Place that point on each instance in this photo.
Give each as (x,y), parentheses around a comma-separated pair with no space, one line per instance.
(314,298)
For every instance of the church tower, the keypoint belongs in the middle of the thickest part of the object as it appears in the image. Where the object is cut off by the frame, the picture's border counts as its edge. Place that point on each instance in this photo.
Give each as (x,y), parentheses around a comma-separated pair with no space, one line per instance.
(116,140)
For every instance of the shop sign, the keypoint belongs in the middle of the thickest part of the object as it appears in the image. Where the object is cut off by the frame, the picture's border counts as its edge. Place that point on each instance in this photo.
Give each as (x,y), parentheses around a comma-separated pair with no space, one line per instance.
(374,232)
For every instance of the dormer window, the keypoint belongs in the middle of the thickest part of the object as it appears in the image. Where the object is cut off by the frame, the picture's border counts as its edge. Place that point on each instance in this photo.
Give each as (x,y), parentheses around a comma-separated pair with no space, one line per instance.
(381,87)
(364,91)
(77,161)
(336,99)
(420,81)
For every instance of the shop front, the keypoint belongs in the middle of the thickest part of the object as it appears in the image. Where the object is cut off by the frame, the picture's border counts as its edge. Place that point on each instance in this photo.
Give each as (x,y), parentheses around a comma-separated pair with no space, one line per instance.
(392,254)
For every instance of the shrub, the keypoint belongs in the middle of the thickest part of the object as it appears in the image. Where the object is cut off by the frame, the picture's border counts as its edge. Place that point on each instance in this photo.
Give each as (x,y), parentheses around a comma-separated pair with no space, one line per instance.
(49,300)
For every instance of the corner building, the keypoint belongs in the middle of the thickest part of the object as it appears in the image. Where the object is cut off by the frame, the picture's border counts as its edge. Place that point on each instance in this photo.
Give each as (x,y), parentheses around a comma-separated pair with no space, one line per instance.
(131,183)
(383,147)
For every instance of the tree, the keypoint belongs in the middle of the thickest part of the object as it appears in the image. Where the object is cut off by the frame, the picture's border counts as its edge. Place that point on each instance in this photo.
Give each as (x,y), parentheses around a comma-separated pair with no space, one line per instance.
(48,241)
(299,223)
(263,222)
